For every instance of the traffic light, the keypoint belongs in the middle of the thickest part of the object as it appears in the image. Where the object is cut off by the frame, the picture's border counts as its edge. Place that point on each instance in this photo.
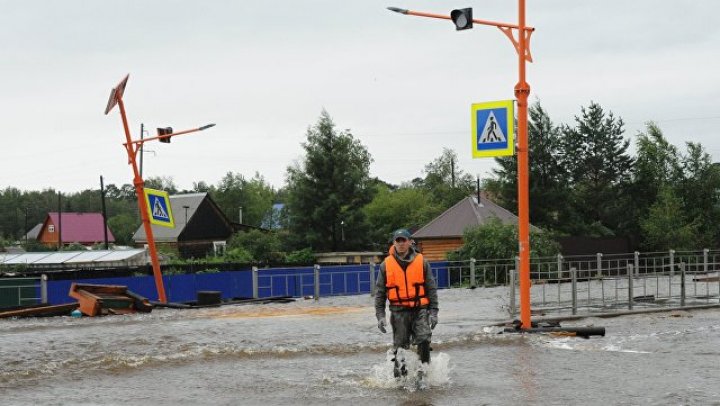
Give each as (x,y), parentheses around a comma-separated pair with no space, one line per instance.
(462,18)
(164,131)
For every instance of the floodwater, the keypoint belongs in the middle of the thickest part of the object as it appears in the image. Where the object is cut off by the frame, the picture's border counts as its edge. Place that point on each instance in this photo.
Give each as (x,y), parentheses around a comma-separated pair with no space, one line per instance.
(330,352)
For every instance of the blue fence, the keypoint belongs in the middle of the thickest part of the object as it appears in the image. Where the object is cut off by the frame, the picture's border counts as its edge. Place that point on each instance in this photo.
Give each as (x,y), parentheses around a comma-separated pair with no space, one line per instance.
(297,282)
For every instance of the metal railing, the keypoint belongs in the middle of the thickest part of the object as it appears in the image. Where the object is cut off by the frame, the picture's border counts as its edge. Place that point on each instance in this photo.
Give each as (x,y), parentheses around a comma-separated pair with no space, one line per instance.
(608,283)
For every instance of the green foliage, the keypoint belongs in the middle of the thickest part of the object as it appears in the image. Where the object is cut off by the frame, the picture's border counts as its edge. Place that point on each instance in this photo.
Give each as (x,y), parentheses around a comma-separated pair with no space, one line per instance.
(301,257)
(123,226)
(234,192)
(327,191)
(74,247)
(548,179)
(496,240)
(445,182)
(666,226)
(165,183)
(261,245)
(404,207)
(598,167)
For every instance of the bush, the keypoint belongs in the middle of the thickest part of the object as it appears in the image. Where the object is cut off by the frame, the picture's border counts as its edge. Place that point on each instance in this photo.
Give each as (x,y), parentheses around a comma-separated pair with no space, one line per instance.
(261,245)
(304,256)
(495,240)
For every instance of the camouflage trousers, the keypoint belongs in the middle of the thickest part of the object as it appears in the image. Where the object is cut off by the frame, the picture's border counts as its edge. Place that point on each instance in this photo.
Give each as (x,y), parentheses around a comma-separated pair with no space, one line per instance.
(410,326)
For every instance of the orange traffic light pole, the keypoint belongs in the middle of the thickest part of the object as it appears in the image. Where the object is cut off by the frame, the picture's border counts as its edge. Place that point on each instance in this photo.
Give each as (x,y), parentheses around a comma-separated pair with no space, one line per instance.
(132,148)
(522,92)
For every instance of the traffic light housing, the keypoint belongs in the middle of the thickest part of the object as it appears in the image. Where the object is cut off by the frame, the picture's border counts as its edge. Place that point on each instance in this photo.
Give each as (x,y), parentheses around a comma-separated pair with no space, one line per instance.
(164,131)
(462,18)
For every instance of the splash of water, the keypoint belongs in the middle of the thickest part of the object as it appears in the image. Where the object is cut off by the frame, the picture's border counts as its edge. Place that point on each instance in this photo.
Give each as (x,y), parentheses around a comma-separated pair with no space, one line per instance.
(435,374)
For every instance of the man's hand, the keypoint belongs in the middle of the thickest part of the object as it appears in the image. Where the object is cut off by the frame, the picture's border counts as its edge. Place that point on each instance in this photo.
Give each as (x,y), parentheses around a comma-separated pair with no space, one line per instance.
(433,318)
(382,324)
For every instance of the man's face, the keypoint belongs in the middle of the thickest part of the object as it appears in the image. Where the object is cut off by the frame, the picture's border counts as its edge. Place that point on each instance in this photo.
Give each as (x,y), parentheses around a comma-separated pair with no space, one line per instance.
(402,245)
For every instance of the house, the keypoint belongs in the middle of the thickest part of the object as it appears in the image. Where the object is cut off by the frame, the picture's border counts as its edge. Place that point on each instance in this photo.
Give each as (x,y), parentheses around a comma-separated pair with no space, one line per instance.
(76,228)
(201,228)
(444,233)
(34,232)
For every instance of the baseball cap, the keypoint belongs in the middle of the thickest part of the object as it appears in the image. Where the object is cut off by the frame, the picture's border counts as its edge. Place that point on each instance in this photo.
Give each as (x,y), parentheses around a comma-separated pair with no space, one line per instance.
(401,233)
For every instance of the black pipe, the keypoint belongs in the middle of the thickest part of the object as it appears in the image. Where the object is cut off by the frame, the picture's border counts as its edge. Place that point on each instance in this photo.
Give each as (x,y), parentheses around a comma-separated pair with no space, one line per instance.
(584,332)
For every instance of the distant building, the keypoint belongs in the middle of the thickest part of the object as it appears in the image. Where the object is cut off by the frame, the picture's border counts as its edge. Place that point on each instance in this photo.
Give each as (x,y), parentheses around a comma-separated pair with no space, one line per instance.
(351,257)
(76,228)
(201,228)
(445,232)
(34,232)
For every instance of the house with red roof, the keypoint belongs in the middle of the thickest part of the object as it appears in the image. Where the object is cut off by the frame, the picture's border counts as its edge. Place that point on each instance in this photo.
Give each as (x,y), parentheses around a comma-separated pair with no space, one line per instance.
(76,228)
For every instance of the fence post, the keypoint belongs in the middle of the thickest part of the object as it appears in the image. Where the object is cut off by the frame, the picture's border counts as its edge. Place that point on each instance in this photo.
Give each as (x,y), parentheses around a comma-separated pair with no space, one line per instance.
(316,270)
(517,265)
(472,273)
(372,277)
(682,284)
(255,282)
(43,289)
(599,264)
(630,286)
(512,292)
(637,262)
(559,267)
(672,272)
(573,278)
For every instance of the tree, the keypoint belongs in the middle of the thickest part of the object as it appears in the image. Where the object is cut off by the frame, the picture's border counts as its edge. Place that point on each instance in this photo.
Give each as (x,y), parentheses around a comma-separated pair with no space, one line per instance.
(657,166)
(445,182)
(405,207)
(699,188)
(666,226)
(261,245)
(327,191)
(594,153)
(123,226)
(548,179)
(234,193)
(165,183)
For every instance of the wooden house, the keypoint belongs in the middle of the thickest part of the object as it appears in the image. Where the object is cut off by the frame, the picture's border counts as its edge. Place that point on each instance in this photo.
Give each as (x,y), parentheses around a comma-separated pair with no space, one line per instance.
(445,232)
(201,228)
(76,228)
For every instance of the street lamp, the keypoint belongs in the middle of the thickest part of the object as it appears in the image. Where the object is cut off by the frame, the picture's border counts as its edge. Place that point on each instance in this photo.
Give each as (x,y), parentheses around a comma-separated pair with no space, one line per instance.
(463,20)
(132,148)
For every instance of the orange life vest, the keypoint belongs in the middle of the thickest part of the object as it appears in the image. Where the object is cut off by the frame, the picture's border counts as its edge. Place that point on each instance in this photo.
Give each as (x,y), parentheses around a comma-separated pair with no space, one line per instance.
(406,288)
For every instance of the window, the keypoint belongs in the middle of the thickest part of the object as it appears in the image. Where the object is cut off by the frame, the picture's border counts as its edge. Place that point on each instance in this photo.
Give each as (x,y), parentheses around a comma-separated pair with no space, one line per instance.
(219,247)
(51,228)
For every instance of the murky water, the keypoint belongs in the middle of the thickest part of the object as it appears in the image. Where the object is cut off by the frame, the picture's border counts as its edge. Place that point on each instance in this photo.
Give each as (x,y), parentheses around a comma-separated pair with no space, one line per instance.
(330,352)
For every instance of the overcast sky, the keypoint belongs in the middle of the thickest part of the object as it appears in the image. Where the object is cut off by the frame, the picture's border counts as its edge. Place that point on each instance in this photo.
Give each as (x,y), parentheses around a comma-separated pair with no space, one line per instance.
(263,72)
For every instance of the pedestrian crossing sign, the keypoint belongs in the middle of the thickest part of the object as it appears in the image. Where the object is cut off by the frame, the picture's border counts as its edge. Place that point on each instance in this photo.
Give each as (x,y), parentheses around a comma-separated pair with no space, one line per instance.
(158,204)
(493,129)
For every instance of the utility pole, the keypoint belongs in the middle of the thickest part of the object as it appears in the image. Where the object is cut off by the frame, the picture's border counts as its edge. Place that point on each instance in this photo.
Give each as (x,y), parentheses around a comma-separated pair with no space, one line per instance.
(60,241)
(104,213)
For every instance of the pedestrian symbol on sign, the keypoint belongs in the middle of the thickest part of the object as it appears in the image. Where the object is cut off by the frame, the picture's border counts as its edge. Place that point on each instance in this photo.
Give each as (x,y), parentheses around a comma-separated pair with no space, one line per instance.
(493,129)
(491,132)
(158,210)
(158,206)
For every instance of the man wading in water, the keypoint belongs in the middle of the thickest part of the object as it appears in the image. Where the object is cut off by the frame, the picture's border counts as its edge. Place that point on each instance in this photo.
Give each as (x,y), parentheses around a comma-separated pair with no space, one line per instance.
(406,281)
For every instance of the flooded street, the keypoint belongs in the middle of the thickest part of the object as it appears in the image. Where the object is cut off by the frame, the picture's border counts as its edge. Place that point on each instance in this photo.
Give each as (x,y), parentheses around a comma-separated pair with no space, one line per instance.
(330,352)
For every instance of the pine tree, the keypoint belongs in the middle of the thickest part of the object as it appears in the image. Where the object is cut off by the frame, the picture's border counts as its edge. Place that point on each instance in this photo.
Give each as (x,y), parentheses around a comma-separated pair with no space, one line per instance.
(327,191)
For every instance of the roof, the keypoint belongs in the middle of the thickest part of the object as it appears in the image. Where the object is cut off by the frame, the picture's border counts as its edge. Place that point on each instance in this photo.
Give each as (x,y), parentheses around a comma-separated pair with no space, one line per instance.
(100,257)
(81,227)
(35,231)
(465,213)
(180,205)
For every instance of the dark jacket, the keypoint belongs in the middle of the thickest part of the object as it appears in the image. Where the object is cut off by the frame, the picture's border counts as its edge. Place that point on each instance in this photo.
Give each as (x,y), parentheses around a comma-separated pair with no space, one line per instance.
(381,289)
